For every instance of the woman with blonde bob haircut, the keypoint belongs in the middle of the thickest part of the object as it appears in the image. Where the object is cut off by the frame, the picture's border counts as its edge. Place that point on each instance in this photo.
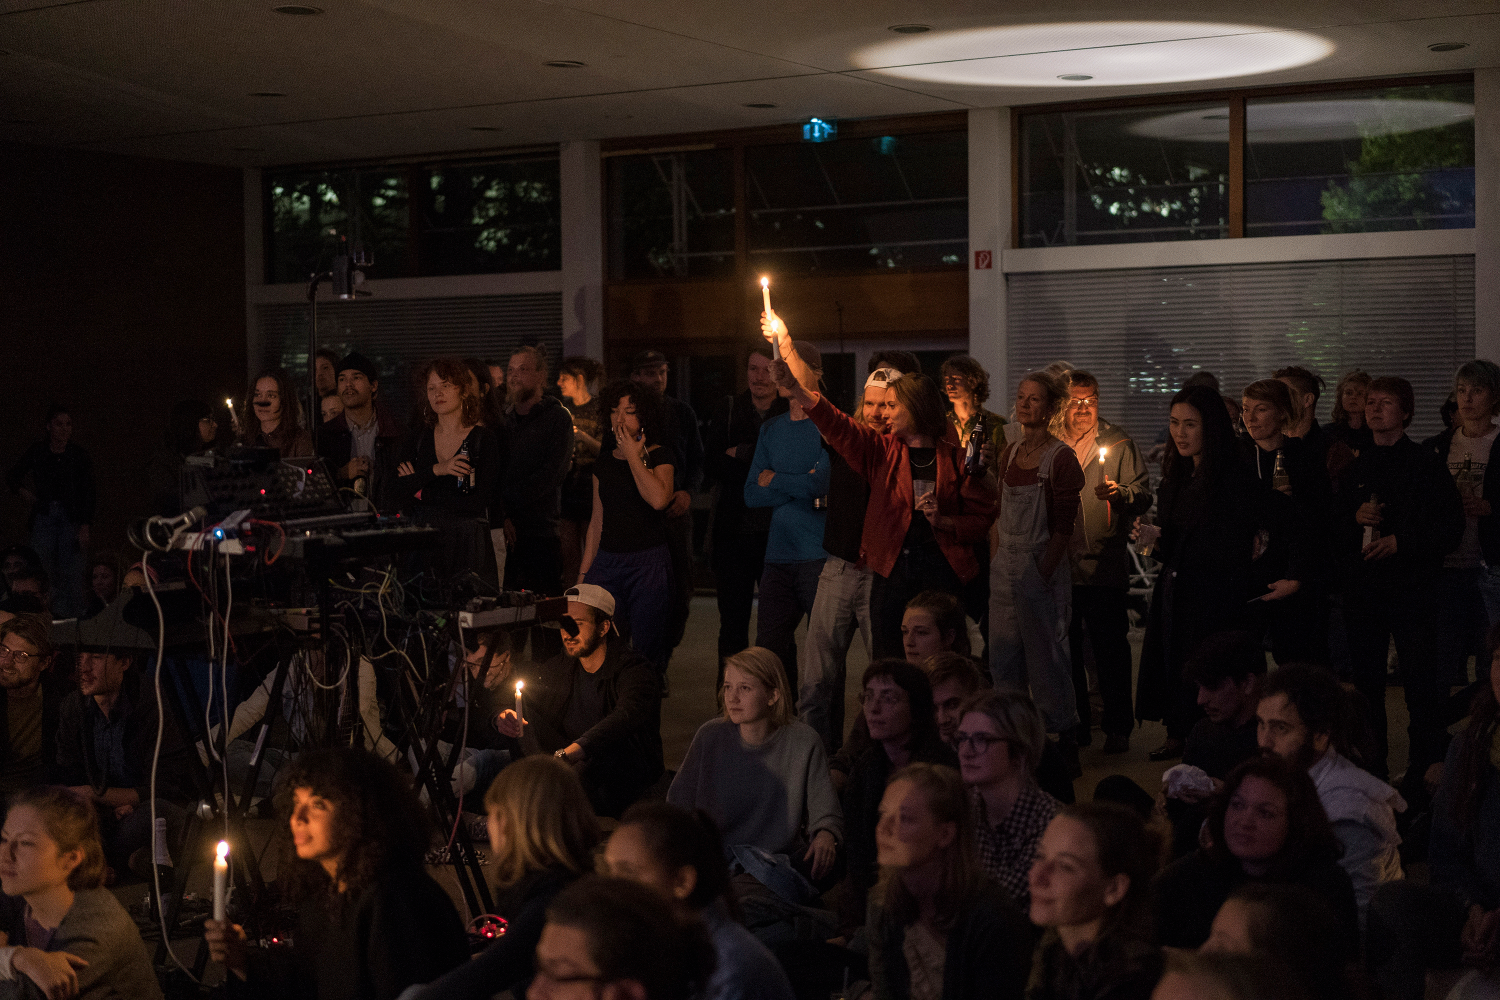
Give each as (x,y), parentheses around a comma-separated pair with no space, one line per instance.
(542,838)
(937,926)
(757,754)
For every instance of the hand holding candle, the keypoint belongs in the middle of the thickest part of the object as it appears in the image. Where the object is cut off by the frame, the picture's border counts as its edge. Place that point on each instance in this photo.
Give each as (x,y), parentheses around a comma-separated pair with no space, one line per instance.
(221,880)
(765,295)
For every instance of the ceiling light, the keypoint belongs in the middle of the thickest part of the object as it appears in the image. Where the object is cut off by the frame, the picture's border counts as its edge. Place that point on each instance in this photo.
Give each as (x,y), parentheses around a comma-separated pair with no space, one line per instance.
(563,64)
(298,10)
(760,105)
(267,93)
(909,29)
(1308,121)
(1115,53)
(1447,46)
(1075,77)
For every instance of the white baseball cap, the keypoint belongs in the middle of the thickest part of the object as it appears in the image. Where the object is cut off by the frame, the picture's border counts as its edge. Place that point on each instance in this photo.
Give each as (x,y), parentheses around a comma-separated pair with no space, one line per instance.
(594,596)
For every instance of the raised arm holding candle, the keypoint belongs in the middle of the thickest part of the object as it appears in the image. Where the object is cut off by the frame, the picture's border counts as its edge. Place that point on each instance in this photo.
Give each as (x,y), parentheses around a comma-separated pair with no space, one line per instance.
(765,297)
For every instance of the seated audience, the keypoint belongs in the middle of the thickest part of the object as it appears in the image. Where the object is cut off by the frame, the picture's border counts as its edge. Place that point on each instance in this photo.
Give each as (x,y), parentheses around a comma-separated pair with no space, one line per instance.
(490,734)
(370,920)
(1000,741)
(623,941)
(1302,710)
(1266,826)
(1456,917)
(898,712)
(597,705)
(66,935)
(1291,926)
(33,583)
(31,693)
(1217,976)
(107,737)
(18,603)
(954,678)
(933,622)
(275,420)
(542,834)
(760,774)
(1089,889)
(681,855)
(104,584)
(937,927)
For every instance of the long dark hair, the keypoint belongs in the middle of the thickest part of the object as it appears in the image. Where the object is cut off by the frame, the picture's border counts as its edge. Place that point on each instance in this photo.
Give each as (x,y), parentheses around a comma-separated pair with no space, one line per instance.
(1309,835)
(377,821)
(649,410)
(678,838)
(928,407)
(1220,454)
(1125,845)
(924,730)
(290,421)
(1472,771)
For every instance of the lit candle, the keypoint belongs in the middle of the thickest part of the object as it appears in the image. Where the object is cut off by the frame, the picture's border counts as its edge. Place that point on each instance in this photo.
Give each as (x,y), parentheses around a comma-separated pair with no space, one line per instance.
(1102,452)
(221,880)
(234,421)
(765,296)
(519,716)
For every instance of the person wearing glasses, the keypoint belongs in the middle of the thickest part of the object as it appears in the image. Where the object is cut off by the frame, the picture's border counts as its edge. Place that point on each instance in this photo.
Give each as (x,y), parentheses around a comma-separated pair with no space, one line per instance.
(1000,740)
(597,705)
(30,694)
(1116,490)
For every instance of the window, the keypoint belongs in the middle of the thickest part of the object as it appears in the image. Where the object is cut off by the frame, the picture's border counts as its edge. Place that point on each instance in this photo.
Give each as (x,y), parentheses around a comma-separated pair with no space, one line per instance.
(1360,161)
(1125,176)
(432,219)
(672,215)
(893,201)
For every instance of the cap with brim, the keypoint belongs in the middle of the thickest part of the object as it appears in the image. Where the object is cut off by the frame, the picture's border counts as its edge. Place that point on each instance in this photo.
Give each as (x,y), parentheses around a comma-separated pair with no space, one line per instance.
(594,596)
(882,377)
(107,632)
(647,359)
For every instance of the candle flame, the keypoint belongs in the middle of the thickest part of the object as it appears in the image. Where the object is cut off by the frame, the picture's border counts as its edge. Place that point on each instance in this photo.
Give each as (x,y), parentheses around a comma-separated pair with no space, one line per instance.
(1102,452)
(765,282)
(223,850)
(228,402)
(519,685)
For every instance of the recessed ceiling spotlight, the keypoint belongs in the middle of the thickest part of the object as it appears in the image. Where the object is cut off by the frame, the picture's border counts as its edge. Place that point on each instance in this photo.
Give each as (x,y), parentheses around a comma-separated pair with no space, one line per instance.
(760,105)
(1075,77)
(1447,46)
(563,64)
(484,128)
(297,10)
(909,29)
(267,93)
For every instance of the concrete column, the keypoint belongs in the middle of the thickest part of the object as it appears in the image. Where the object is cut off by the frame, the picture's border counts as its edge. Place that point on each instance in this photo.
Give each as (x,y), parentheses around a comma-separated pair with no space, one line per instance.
(582,249)
(989,233)
(1487,213)
(255,267)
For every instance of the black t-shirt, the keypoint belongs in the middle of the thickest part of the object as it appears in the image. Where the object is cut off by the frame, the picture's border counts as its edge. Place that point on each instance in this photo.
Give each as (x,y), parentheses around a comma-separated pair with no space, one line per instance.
(585,706)
(923,463)
(1219,747)
(630,523)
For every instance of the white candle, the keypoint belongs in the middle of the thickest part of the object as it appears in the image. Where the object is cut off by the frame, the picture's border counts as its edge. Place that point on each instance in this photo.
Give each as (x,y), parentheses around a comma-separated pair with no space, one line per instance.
(221,880)
(1102,452)
(234,421)
(765,296)
(519,716)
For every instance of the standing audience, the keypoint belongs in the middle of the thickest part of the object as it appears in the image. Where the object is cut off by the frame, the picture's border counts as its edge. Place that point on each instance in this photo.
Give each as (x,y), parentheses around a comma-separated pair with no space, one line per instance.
(579,378)
(363,444)
(56,477)
(275,420)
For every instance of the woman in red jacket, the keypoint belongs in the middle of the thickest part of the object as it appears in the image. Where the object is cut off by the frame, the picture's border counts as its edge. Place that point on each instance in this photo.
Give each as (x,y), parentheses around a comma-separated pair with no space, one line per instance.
(916,469)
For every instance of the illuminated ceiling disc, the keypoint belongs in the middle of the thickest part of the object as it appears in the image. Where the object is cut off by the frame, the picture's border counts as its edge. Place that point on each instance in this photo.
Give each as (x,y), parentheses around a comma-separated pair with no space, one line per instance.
(1307,121)
(1102,54)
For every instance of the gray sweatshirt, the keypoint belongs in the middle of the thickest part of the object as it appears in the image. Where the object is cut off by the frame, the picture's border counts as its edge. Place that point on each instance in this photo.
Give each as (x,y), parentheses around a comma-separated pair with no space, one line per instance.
(775,796)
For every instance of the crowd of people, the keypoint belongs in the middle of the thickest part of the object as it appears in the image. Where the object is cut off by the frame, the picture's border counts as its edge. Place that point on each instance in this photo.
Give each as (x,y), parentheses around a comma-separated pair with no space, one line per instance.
(931,848)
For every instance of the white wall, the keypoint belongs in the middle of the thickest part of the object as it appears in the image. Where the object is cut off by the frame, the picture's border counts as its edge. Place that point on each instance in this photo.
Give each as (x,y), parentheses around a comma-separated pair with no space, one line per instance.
(989,230)
(1487,212)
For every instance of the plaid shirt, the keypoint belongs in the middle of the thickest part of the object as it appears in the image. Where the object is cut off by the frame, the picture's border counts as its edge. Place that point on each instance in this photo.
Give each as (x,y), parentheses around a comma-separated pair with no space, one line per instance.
(1006,851)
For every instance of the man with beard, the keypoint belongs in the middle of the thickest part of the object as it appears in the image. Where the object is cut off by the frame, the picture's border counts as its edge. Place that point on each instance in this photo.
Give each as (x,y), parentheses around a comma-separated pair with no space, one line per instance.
(540,444)
(1301,718)
(597,705)
(361,445)
(29,698)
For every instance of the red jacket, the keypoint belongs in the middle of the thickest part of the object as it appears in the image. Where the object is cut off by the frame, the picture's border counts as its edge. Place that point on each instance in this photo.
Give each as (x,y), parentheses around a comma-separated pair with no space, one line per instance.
(883,460)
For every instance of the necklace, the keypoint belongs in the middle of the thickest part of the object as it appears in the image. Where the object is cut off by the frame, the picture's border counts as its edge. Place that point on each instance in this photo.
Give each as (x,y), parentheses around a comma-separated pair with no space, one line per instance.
(1023,450)
(924,465)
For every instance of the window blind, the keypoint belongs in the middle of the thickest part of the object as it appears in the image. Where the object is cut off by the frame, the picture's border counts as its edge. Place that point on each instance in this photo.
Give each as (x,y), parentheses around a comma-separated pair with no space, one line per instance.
(1144,331)
(400,334)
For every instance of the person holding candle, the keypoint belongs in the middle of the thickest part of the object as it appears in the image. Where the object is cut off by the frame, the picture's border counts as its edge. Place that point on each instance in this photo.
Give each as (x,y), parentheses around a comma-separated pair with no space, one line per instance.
(66,935)
(1116,490)
(370,921)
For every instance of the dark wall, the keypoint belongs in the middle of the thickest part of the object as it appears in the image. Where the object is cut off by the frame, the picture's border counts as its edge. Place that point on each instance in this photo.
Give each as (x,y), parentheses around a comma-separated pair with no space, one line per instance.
(122,290)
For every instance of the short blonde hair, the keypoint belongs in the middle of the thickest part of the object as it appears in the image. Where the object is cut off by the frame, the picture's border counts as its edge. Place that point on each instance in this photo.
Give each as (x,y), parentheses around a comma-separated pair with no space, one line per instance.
(764,666)
(548,819)
(1016,719)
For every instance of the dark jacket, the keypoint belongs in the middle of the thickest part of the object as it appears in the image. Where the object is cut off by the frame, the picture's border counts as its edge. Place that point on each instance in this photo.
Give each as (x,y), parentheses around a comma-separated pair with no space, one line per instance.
(539,455)
(1422,509)
(402,929)
(1466,862)
(683,432)
(862,801)
(335,443)
(737,427)
(988,954)
(1117,966)
(101,932)
(1297,525)
(1489,525)
(1103,561)
(440,494)
(848,496)
(78,765)
(40,770)
(67,479)
(508,964)
(623,749)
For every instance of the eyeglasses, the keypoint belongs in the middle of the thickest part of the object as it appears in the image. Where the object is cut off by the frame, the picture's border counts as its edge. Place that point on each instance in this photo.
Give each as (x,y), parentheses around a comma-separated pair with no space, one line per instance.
(980,742)
(19,655)
(1084,403)
(885,699)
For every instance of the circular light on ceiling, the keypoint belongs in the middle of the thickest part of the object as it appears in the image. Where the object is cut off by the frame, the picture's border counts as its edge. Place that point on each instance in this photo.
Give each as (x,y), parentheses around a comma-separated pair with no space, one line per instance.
(563,64)
(297,10)
(1075,77)
(909,29)
(1447,46)
(1115,53)
(1308,121)
(760,105)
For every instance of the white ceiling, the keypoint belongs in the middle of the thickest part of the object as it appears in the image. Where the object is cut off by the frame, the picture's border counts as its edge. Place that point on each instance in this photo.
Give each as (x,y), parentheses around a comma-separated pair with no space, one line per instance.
(384,78)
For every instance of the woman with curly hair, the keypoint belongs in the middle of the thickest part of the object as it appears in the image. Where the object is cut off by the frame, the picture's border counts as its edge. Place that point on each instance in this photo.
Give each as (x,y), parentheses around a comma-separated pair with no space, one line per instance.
(370,920)
(450,473)
(625,550)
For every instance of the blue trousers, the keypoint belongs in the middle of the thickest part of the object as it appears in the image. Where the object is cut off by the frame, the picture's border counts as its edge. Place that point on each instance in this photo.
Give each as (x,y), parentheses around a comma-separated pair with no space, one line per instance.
(645,598)
(787,592)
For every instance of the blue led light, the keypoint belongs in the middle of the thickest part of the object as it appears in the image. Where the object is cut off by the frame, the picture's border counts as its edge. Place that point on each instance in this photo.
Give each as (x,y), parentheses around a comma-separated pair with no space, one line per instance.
(817,130)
